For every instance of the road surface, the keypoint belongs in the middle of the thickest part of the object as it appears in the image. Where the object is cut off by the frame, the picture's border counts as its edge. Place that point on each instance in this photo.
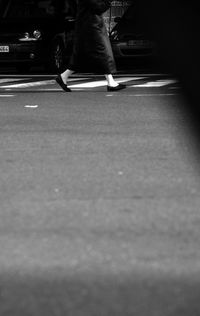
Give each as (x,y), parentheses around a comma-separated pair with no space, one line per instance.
(99,192)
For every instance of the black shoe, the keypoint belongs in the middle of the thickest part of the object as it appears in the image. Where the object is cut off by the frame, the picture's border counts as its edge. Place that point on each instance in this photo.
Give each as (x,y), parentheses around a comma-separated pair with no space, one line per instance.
(62,84)
(120,86)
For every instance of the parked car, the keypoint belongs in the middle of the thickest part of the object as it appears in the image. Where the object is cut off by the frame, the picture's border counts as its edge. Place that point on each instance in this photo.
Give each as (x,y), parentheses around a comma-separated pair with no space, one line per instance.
(129,37)
(36,32)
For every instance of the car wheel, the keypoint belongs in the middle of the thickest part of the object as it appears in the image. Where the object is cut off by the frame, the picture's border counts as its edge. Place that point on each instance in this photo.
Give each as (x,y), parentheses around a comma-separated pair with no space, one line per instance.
(57,57)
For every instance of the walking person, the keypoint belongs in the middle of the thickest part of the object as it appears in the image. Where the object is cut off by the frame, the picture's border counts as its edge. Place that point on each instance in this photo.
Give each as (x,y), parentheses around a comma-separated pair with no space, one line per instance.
(92,50)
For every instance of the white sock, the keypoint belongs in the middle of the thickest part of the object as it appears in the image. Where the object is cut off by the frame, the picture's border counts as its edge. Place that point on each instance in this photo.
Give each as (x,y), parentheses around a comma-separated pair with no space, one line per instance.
(65,75)
(111,81)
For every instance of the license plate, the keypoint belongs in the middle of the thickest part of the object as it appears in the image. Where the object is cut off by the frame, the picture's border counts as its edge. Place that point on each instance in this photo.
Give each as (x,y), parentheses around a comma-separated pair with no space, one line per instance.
(4,49)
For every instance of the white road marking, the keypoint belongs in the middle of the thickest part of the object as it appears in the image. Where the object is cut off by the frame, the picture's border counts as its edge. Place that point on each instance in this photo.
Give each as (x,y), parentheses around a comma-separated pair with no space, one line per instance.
(46,89)
(31,106)
(152,94)
(101,83)
(143,95)
(5,80)
(35,83)
(29,84)
(90,83)
(6,95)
(157,83)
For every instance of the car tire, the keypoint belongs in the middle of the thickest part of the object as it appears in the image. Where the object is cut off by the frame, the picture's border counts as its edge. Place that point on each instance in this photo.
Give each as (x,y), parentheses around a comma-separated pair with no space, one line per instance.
(56,62)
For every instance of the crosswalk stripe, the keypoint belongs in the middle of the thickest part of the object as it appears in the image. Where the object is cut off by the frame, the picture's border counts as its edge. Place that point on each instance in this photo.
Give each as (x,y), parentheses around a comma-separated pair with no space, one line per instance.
(6,80)
(79,83)
(29,84)
(6,95)
(35,83)
(156,83)
(101,83)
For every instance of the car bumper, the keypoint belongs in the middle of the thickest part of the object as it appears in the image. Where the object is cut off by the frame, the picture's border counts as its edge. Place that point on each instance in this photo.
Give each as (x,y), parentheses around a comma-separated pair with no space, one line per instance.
(123,50)
(22,53)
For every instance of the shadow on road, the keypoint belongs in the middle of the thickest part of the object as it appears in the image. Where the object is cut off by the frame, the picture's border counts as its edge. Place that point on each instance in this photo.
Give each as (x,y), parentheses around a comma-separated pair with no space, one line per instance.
(140,293)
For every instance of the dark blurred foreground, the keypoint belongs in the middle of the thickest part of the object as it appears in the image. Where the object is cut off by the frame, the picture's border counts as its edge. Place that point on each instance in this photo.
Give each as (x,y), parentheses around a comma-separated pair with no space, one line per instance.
(106,295)
(174,24)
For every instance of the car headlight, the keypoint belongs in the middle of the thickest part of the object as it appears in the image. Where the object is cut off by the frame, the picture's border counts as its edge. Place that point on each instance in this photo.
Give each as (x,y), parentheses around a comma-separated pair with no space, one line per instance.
(114,36)
(37,34)
(28,37)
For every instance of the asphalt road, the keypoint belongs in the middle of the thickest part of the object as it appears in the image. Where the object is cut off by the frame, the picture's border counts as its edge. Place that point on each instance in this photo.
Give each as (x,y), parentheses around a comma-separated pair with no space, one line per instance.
(99,192)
